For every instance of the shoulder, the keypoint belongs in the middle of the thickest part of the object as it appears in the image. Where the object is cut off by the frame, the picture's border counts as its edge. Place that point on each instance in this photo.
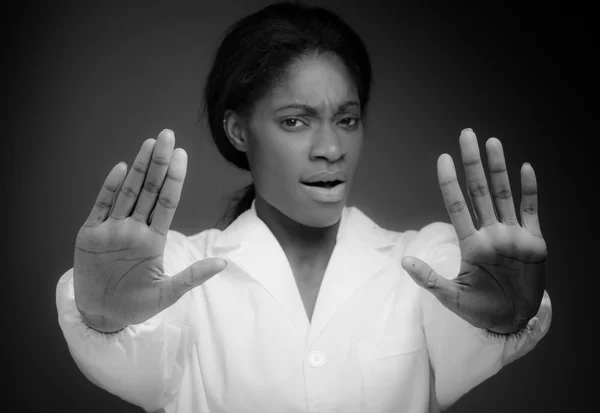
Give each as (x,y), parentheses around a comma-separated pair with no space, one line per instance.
(434,242)
(362,229)
(198,244)
(182,250)
(189,249)
(433,234)
(432,239)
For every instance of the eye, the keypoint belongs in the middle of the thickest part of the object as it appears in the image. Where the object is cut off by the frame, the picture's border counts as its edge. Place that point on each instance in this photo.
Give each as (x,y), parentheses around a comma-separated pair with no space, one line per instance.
(350,122)
(292,123)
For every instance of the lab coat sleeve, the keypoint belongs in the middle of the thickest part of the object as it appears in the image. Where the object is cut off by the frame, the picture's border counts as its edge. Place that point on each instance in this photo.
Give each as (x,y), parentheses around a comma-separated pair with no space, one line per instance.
(143,363)
(462,355)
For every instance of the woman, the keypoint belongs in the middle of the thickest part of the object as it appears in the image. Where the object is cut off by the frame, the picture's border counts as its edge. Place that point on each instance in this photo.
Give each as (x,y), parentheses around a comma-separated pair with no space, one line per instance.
(300,303)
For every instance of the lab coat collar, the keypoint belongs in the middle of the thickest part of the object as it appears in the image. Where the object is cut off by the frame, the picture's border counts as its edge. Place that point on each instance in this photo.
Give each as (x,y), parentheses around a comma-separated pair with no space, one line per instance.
(355,228)
(361,250)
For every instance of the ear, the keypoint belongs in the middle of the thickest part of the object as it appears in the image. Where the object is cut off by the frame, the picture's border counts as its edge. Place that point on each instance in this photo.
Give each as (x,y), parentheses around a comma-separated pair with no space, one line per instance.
(235,130)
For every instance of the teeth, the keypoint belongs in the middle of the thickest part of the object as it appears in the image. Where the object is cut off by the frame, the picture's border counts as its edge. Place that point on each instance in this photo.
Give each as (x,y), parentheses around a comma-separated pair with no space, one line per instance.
(324,184)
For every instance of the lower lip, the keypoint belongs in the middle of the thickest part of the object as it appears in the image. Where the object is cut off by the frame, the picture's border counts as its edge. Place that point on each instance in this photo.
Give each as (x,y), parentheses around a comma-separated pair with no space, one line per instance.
(335,194)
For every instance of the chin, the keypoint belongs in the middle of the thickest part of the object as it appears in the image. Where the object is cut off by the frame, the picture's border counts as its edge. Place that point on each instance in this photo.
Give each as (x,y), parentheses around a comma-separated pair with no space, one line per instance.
(305,211)
(321,215)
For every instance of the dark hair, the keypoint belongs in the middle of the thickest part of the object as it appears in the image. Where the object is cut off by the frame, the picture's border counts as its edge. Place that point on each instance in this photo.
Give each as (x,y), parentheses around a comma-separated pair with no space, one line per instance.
(255,55)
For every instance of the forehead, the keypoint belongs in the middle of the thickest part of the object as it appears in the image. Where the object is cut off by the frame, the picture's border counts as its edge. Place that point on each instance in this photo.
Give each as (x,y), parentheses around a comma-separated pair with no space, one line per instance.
(320,81)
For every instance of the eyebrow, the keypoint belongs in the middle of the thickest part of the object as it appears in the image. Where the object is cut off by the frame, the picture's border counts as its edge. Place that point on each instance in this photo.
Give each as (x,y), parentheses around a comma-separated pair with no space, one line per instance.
(313,112)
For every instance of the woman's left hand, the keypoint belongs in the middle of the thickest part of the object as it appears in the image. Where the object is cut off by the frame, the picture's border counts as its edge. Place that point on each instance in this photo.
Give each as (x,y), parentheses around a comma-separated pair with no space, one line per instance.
(501,281)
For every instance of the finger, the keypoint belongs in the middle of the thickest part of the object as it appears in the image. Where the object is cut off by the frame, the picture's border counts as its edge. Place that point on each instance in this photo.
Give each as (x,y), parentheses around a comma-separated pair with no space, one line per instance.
(170,194)
(130,190)
(105,198)
(159,164)
(501,192)
(443,289)
(453,198)
(193,276)
(529,201)
(479,192)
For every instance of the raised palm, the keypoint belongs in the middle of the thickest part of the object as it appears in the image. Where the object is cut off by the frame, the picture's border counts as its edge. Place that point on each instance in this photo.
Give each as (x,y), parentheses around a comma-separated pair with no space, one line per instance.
(118,271)
(500,284)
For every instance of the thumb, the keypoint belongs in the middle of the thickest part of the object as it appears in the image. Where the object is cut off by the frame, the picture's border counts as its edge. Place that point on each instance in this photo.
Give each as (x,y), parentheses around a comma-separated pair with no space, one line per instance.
(195,275)
(427,278)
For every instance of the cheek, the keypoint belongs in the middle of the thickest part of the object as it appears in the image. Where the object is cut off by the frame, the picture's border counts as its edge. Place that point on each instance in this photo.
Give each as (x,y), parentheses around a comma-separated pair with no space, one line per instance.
(355,151)
(275,162)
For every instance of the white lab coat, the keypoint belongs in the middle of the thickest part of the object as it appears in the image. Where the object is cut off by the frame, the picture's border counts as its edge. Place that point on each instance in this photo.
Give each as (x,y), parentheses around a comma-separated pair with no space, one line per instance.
(242,341)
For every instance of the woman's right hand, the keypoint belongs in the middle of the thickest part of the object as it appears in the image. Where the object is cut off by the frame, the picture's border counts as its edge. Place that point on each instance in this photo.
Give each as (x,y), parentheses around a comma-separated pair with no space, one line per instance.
(118,272)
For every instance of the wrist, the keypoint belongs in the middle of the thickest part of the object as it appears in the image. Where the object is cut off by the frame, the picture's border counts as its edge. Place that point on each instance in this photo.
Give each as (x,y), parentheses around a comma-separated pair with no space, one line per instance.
(100,323)
(503,331)
(517,325)
(505,336)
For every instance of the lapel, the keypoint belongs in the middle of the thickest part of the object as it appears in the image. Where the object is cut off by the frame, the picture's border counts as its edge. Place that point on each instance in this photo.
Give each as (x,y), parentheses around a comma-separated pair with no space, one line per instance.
(361,250)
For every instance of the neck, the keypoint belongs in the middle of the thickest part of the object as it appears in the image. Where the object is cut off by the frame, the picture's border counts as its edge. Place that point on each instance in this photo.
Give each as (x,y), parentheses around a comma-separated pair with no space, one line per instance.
(303,245)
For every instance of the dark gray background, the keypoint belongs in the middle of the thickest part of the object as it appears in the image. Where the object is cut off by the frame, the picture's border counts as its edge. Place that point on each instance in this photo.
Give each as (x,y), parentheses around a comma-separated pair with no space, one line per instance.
(88,82)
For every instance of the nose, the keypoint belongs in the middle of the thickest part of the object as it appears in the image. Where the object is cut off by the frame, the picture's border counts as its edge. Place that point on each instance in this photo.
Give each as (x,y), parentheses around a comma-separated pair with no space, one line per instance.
(327,145)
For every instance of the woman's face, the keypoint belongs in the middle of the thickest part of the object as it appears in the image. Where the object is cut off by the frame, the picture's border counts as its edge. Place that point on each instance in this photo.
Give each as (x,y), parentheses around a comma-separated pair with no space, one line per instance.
(307,129)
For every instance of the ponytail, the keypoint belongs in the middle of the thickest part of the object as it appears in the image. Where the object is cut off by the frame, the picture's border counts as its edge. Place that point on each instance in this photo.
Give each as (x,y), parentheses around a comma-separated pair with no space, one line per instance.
(239,202)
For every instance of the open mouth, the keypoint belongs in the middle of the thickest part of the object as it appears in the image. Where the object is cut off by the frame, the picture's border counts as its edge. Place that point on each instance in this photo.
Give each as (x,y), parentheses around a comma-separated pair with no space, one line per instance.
(323,184)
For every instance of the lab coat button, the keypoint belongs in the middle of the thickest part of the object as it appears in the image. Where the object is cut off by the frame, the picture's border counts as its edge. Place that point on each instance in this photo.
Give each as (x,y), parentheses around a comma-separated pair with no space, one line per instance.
(316,358)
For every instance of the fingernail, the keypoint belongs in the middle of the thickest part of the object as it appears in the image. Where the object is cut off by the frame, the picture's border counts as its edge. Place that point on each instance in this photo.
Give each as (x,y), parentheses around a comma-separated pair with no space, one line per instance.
(527,164)
(467,130)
